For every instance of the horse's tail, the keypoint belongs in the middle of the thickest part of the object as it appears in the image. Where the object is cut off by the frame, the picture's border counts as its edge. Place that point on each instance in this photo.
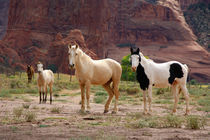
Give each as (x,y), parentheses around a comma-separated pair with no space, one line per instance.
(52,75)
(185,65)
(188,72)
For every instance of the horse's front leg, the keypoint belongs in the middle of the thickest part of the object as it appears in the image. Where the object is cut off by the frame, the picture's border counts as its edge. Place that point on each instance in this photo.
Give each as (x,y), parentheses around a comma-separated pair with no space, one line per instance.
(150,98)
(88,95)
(82,87)
(43,91)
(45,99)
(40,94)
(145,101)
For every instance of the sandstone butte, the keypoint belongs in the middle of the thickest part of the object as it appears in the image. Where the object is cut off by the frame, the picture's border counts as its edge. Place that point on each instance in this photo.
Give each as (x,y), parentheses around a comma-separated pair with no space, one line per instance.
(40,31)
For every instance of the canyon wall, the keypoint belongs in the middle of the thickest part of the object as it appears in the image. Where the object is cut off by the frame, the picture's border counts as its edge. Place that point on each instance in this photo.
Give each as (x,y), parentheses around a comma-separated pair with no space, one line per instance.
(4,9)
(39,31)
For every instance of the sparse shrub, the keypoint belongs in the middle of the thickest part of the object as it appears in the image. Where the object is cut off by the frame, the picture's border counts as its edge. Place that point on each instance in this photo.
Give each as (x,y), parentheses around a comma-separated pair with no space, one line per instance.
(31,90)
(26,106)
(122,88)
(16,91)
(193,82)
(160,91)
(204,102)
(100,93)
(56,110)
(133,90)
(13,84)
(5,93)
(13,128)
(30,116)
(100,97)
(18,112)
(173,121)
(142,124)
(194,122)
(16,84)
(153,124)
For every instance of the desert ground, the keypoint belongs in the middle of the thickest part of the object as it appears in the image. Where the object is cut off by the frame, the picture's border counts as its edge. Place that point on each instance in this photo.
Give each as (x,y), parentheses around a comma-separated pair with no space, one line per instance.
(22,117)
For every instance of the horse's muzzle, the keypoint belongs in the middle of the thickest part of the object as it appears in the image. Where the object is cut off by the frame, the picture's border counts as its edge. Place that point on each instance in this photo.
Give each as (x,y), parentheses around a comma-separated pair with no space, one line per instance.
(133,69)
(71,66)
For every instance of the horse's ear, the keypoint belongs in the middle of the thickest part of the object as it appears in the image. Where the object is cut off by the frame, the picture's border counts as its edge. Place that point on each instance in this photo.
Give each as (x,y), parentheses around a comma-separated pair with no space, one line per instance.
(69,46)
(77,46)
(138,50)
(131,49)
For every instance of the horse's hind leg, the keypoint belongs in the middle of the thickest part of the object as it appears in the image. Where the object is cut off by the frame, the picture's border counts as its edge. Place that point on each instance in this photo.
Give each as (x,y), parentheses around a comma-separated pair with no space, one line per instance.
(111,94)
(50,94)
(186,94)
(150,98)
(116,93)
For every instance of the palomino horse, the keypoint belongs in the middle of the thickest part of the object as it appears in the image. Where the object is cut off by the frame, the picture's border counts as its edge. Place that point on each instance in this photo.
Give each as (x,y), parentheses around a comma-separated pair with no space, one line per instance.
(30,73)
(98,72)
(160,75)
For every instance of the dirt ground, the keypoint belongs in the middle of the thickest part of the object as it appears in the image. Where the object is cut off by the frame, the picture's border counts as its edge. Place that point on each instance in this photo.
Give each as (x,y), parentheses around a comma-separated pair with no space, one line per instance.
(69,123)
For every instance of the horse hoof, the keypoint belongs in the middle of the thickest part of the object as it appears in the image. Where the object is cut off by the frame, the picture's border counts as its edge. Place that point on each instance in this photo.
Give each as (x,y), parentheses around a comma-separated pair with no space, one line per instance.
(186,114)
(106,111)
(149,113)
(114,112)
(88,111)
(81,111)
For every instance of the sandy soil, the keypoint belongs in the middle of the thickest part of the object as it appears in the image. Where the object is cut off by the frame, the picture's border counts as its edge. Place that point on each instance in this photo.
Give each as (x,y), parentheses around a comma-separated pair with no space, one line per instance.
(71,124)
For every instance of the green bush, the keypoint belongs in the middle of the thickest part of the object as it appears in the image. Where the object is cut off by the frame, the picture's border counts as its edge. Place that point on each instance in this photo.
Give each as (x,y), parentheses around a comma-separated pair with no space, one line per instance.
(127,74)
(193,82)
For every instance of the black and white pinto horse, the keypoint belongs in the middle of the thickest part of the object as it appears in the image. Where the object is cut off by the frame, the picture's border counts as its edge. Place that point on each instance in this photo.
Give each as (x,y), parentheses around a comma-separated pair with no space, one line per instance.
(160,75)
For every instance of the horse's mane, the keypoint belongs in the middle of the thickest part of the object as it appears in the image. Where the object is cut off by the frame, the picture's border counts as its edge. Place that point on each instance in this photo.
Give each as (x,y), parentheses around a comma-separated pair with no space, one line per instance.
(83,54)
(141,54)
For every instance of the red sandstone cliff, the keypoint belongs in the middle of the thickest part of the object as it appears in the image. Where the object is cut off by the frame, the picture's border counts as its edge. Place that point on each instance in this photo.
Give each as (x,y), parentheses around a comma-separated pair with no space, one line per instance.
(108,27)
(4,6)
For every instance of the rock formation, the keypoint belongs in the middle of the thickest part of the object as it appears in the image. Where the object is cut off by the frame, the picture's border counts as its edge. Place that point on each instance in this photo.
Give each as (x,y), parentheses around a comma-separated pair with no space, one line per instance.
(39,31)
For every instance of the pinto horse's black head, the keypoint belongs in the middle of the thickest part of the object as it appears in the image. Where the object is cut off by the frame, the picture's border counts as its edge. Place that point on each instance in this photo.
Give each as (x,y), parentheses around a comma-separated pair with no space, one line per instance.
(135,58)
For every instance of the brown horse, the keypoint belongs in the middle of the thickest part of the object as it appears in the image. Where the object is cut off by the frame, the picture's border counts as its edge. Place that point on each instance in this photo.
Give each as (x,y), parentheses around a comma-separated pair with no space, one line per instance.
(30,73)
